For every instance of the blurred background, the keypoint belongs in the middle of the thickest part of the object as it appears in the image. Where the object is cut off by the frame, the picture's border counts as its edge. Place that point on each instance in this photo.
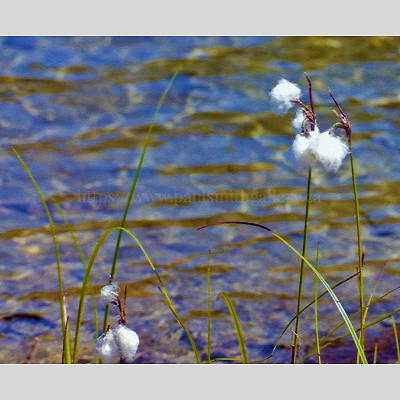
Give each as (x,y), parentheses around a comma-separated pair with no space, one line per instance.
(78,110)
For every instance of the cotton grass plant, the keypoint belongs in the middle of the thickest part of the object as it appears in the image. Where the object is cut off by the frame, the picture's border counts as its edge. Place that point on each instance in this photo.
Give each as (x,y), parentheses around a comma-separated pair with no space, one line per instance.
(120,343)
(327,149)
(312,148)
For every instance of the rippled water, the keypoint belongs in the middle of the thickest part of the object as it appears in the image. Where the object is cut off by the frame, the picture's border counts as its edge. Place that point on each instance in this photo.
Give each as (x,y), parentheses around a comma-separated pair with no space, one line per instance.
(78,109)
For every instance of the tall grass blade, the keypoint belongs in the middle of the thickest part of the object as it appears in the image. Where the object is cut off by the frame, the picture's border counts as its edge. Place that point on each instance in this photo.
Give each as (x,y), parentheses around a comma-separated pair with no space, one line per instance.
(133,188)
(320,277)
(369,304)
(345,335)
(304,309)
(238,328)
(64,328)
(84,263)
(209,310)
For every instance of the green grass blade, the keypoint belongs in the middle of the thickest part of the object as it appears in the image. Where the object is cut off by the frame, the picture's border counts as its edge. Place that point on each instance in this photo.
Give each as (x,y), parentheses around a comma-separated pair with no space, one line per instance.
(304,309)
(396,338)
(163,289)
(63,358)
(209,310)
(375,353)
(133,188)
(345,335)
(84,263)
(64,327)
(316,309)
(319,276)
(238,328)
(337,327)
(70,230)
(364,314)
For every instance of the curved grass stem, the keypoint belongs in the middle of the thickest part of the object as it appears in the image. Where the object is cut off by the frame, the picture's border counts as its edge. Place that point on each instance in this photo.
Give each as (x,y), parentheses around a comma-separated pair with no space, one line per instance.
(61,299)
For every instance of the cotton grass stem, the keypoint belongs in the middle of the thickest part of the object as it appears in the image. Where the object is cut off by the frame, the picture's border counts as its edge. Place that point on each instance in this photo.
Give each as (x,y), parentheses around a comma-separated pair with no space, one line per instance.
(301,275)
(360,250)
(345,124)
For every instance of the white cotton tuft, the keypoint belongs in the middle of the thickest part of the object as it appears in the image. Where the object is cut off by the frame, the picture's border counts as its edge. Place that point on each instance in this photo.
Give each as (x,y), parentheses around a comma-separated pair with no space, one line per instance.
(330,151)
(110,292)
(128,342)
(303,146)
(298,120)
(284,93)
(107,349)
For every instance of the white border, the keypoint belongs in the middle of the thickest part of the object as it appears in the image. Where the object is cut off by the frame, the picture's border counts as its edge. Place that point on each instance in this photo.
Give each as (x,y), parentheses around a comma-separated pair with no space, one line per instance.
(200,381)
(199,18)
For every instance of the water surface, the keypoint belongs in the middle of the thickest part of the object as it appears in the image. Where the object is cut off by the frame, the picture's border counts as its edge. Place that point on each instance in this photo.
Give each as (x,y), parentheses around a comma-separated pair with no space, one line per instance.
(78,110)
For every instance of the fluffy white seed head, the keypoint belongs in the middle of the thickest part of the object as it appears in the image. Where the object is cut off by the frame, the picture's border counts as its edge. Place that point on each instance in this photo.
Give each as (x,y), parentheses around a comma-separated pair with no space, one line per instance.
(299,120)
(303,147)
(128,342)
(110,292)
(330,151)
(107,349)
(284,93)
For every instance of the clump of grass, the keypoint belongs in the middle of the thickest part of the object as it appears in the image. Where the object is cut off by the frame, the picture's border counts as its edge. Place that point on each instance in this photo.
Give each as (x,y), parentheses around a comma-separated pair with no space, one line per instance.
(335,299)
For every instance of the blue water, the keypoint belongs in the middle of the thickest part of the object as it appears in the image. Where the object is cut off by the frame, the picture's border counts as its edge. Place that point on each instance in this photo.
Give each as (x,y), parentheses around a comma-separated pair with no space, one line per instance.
(78,109)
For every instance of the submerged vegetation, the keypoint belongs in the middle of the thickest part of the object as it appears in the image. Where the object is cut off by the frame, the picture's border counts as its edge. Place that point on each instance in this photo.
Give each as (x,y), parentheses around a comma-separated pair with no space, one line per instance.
(313,148)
